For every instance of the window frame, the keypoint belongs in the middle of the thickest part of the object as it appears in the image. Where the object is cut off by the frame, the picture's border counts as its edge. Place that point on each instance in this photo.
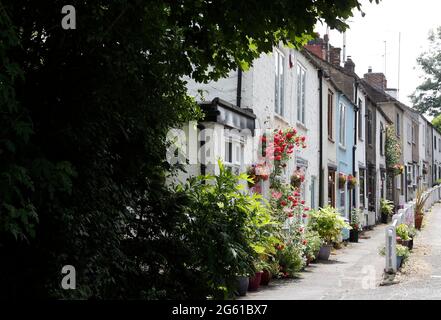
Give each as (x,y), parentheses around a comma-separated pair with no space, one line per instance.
(301,93)
(342,125)
(279,82)
(330,115)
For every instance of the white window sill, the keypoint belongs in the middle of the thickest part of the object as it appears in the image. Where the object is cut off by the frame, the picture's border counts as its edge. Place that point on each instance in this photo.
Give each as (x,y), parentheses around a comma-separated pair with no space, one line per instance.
(302,125)
(342,146)
(281,118)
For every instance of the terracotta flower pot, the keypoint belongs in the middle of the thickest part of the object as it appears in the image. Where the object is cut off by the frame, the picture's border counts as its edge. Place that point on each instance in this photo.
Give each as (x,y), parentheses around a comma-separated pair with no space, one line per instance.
(265,278)
(418,221)
(255,281)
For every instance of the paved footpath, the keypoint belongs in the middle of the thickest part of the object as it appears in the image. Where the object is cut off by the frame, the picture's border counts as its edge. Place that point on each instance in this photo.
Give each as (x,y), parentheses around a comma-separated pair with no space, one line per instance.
(356,271)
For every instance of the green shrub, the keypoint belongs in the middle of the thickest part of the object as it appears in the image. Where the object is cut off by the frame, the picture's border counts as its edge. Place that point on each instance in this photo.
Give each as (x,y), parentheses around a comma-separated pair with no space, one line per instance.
(403,232)
(291,260)
(401,251)
(313,244)
(386,207)
(228,231)
(328,223)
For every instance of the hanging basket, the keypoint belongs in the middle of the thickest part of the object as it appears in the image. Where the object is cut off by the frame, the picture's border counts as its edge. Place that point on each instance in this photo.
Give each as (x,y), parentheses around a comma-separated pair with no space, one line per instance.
(296,179)
(341,180)
(352,182)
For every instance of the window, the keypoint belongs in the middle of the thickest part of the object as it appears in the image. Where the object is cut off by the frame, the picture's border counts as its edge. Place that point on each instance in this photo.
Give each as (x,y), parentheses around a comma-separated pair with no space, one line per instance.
(362,192)
(331,187)
(369,127)
(398,127)
(342,123)
(301,79)
(439,143)
(343,202)
(279,61)
(413,134)
(434,143)
(234,154)
(330,115)
(409,133)
(360,119)
(381,138)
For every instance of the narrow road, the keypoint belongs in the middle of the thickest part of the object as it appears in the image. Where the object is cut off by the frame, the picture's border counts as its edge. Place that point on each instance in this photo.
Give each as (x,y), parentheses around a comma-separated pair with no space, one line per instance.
(355,272)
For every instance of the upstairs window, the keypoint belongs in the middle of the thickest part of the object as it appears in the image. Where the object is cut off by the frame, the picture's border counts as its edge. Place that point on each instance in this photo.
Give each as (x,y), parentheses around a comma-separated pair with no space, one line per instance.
(360,119)
(369,127)
(381,138)
(301,88)
(279,64)
(342,125)
(330,115)
(398,126)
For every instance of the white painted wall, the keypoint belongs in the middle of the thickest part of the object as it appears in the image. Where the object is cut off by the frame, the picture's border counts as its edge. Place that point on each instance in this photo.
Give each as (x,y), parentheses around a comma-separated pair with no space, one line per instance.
(258,93)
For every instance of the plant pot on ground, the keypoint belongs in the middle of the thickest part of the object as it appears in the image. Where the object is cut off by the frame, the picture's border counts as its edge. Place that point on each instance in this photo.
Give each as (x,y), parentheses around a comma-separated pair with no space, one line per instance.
(420,201)
(386,209)
(255,281)
(418,221)
(355,225)
(353,235)
(325,252)
(242,285)
(328,223)
(265,278)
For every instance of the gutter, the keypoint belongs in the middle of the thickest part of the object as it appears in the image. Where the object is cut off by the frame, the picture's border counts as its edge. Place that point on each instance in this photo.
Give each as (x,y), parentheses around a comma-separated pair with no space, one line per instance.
(321,173)
(239,87)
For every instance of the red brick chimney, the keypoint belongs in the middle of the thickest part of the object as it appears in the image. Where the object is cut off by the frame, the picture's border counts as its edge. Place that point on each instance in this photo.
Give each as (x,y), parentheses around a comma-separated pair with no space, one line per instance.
(376,79)
(350,65)
(322,49)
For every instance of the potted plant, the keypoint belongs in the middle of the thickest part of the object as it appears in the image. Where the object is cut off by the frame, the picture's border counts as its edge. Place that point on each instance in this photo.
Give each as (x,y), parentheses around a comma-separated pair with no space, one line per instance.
(420,200)
(242,285)
(355,225)
(397,169)
(313,243)
(386,209)
(297,178)
(412,235)
(403,234)
(256,278)
(341,180)
(352,182)
(402,253)
(290,258)
(329,224)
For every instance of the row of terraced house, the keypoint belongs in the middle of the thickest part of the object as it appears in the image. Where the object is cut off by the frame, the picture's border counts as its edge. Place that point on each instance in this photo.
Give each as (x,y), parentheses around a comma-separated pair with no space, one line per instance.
(343,116)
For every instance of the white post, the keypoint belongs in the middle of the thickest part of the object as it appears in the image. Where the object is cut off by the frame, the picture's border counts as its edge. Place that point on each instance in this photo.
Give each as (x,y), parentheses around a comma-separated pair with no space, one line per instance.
(391,255)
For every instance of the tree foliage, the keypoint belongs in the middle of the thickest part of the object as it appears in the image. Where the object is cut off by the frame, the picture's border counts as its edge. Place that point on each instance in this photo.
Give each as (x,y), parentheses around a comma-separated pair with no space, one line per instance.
(83,119)
(427,97)
(437,122)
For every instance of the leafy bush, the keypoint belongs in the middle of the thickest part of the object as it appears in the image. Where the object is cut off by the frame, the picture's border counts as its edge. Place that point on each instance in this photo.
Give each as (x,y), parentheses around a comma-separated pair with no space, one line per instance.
(401,251)
(386,207)
(355,219)
(291,260)
(313,244)
(328,223)
(227,231)
(403,232)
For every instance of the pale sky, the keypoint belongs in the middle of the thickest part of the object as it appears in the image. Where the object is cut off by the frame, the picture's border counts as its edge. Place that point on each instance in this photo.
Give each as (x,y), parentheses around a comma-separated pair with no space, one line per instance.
(383,22)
